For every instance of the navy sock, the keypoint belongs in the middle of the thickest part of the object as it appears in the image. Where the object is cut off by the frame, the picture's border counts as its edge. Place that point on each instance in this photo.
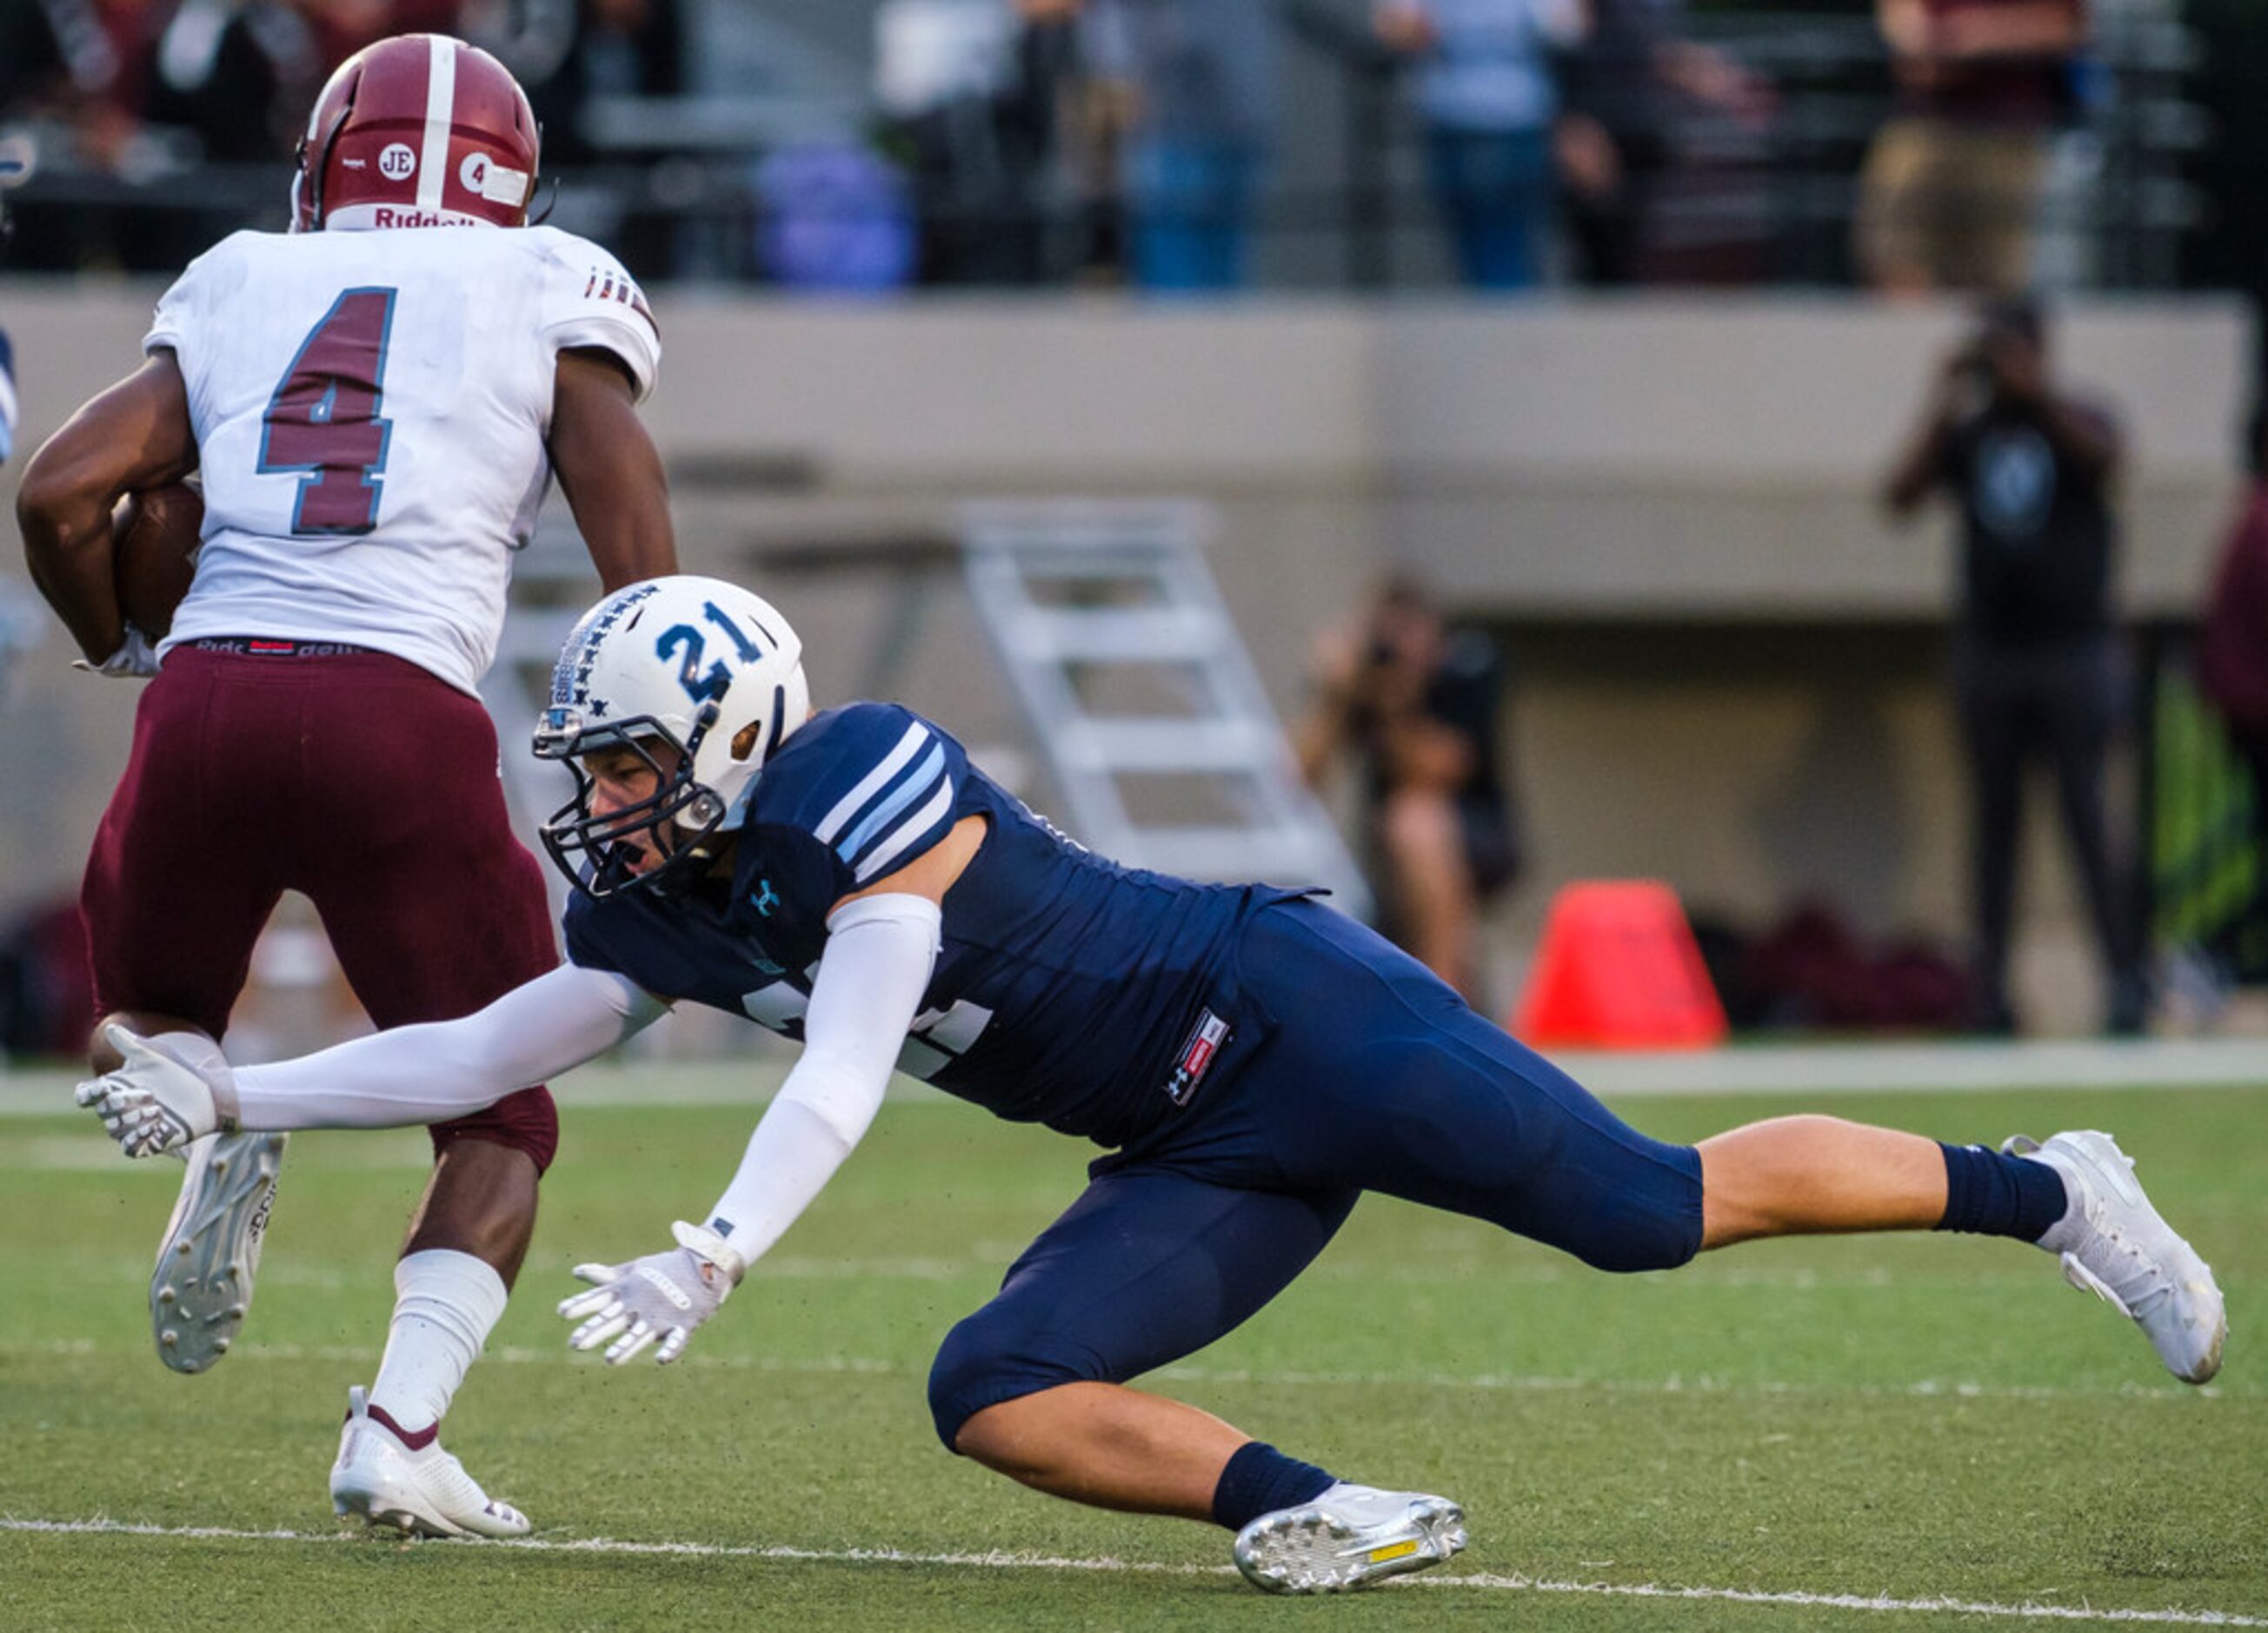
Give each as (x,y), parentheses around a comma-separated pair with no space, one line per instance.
(1991,1194)
(1259,1480)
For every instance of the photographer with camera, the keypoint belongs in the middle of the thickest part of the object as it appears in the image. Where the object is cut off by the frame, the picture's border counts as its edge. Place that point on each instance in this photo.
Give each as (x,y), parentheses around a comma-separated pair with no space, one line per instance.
(1417,703)
(2038,668)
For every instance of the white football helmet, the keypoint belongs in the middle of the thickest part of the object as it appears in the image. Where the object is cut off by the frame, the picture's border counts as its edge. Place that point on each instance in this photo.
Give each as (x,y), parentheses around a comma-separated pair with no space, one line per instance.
(695,665)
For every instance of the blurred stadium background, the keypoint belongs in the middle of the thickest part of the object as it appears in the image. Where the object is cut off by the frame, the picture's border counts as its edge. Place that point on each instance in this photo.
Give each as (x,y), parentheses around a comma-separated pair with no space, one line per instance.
(896,252)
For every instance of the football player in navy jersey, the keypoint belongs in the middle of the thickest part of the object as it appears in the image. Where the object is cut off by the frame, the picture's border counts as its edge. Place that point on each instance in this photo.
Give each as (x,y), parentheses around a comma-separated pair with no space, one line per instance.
(1255,1061)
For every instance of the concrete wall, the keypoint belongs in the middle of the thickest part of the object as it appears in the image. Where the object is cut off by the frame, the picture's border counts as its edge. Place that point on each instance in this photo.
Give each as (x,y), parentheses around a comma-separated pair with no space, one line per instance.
(1565,470)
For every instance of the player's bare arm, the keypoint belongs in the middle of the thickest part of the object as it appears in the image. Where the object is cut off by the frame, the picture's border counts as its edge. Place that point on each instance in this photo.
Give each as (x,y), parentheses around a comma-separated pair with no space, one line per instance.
(133,436)
(609,468)
(936,870)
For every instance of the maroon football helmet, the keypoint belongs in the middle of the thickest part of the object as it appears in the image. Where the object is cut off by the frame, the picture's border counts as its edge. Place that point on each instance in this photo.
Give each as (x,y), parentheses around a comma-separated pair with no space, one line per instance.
(417,130)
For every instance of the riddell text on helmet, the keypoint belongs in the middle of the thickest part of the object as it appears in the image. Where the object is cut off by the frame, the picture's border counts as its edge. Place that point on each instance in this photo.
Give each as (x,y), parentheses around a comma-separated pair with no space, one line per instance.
(387,216)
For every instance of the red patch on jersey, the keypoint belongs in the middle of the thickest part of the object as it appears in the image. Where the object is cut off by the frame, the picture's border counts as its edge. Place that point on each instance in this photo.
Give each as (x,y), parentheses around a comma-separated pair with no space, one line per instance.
(1202,1046)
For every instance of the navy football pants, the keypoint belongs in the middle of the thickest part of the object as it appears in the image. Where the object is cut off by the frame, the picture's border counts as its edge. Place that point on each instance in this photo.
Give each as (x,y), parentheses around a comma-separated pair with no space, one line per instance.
(1360,1071)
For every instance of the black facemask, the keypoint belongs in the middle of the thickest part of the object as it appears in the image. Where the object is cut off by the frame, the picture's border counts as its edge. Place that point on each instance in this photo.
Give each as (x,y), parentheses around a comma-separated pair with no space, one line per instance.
(593,851)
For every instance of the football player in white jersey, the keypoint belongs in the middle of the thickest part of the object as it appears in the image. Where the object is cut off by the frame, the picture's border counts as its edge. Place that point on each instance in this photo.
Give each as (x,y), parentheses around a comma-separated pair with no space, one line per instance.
(375,403)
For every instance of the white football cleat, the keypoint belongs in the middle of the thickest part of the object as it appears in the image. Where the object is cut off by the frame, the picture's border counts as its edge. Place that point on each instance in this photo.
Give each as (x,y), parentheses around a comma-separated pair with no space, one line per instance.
(203,1283)
(1349,1536)
(419,1488)
(2114,1245)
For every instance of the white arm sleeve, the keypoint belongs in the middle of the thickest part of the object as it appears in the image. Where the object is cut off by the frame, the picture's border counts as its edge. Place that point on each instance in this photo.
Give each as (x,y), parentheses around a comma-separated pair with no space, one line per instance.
(876,967)
(431,1073)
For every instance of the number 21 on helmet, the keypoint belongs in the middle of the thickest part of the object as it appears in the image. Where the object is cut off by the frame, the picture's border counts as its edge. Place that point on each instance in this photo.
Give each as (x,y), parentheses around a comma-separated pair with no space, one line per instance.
(693,665)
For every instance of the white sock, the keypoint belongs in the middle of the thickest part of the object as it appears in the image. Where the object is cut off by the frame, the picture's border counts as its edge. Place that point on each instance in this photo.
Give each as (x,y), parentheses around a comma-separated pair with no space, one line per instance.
(445,1305)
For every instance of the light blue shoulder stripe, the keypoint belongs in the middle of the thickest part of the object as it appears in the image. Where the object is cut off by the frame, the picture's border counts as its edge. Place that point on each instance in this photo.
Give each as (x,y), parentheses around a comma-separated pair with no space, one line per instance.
(873,783)
(923,778)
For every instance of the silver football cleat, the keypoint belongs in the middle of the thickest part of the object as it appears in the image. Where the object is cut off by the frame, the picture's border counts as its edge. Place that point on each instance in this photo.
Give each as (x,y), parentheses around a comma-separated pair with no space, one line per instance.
(1350,1536)
(201,1287)
(2117,1247)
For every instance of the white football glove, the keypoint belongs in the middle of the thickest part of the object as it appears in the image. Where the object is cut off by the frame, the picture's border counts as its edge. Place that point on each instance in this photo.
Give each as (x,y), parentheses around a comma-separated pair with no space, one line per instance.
(662,1296)
(167,1093)
(135,659)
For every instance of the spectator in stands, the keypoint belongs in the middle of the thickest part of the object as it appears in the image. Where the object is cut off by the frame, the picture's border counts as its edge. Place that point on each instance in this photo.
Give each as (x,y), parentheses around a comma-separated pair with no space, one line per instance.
(246,86)
(1626,86)
(1418,705)
(614,47)
(86,66)
(83,72)
(619,48)
(2037,666)
(2233,668)
(974,90)
(1950,195)
(1487,98)
(1205,73)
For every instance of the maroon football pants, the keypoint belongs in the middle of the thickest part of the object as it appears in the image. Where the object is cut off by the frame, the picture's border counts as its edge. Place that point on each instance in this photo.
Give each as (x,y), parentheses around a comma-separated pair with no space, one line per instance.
(354,778)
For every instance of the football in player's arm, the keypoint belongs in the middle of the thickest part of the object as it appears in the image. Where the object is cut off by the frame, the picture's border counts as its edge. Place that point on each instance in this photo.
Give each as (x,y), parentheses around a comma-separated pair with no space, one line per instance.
(877,895)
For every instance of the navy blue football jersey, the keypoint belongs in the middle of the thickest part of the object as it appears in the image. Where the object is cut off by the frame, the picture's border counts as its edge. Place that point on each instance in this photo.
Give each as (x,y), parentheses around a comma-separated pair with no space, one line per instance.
(1070,990)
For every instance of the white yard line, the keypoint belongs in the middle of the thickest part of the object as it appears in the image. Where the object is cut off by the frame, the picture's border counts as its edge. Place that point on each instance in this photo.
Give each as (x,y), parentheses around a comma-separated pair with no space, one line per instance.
(1495,1582)
(1507,1383)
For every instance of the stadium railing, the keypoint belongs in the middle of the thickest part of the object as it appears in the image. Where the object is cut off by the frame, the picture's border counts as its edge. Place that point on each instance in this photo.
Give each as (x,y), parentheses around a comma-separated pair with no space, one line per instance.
(1770,204)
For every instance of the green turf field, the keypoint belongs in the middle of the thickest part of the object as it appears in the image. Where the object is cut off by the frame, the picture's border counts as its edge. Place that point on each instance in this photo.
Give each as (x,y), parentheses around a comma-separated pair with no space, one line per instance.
(1884,1423)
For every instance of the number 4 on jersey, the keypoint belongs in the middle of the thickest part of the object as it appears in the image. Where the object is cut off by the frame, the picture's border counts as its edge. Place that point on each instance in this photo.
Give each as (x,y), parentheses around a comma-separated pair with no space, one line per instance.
(324,418)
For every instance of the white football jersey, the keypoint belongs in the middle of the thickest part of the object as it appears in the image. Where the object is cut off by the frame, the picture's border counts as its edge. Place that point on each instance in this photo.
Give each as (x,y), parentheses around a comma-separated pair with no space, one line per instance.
(370,410)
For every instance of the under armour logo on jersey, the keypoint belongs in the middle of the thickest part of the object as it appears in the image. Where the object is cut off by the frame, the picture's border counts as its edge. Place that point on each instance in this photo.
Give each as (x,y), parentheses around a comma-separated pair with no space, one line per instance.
(764,899)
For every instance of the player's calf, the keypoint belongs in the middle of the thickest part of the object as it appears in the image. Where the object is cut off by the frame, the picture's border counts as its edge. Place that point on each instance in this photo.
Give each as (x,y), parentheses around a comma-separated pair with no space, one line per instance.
(104,1052)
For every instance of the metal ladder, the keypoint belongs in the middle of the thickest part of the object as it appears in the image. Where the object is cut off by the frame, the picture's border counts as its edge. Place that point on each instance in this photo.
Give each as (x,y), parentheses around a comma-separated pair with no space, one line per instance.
(1087,601)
